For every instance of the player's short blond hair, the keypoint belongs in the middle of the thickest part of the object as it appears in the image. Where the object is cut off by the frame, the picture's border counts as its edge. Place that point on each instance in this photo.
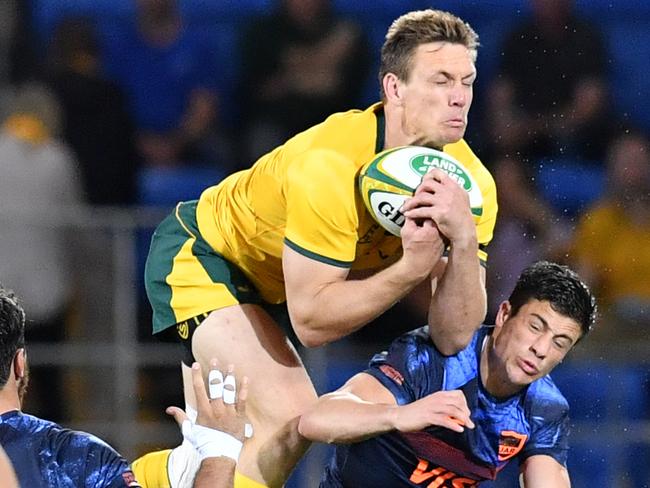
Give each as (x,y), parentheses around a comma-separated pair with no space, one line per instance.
(410,30)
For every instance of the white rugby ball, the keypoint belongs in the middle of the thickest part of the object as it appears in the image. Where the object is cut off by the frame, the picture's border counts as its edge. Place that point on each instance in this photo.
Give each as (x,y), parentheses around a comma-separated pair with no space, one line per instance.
(393,175)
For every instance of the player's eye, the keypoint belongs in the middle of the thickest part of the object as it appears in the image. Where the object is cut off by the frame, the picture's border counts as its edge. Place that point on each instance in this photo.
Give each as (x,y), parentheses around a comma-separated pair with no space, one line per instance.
(560,344)
(536,326)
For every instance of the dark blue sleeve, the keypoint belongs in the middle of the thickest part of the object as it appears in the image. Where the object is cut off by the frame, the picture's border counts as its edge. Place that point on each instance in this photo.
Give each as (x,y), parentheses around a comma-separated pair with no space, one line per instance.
(105,468)
(549,424)
(408,369)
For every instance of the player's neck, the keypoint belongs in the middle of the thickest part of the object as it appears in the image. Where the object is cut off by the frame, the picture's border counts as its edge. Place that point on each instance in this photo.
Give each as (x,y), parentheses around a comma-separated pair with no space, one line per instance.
(484,369)
(394,133)
(397,133)
(9,399)
(491,382)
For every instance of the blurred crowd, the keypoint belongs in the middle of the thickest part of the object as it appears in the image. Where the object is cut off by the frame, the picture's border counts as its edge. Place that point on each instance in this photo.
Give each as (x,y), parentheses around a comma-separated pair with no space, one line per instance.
(89,114)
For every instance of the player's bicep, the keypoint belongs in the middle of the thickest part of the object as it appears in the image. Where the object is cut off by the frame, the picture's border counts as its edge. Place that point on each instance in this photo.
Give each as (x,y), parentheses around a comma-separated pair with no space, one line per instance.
(391,368)
(366,387)
(541,471)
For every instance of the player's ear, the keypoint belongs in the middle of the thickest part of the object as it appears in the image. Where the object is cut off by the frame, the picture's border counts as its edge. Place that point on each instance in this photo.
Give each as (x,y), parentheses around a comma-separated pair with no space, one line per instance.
(20,362)
(503,314)
(392,88)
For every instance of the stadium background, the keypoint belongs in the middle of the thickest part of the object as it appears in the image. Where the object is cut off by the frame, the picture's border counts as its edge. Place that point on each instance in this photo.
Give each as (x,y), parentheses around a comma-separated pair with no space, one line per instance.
(117,381)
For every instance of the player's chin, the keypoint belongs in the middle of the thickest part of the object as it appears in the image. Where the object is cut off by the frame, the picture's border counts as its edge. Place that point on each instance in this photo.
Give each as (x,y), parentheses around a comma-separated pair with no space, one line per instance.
(522,379)
(451,133)
(526,380)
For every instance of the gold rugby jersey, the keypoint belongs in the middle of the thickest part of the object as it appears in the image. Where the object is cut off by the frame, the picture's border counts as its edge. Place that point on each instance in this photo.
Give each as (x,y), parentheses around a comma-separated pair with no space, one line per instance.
(305,194)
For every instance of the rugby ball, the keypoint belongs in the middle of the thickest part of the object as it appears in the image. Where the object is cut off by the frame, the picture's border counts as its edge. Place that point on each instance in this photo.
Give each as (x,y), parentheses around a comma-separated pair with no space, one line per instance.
(393,175)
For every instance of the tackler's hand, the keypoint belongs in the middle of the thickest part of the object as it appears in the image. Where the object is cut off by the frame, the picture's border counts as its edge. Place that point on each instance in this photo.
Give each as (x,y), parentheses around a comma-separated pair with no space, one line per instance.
(221,425)
(441,199)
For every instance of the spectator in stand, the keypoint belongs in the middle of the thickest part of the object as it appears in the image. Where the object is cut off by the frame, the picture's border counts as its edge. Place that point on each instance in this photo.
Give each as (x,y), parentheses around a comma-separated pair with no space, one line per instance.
(17,56)
(96,123)
(98,128)
(550,100)
(551,97)
(610,245)
(169,77)
(39,184)
(528,230)
(8,31)
(299,65)
(18,42)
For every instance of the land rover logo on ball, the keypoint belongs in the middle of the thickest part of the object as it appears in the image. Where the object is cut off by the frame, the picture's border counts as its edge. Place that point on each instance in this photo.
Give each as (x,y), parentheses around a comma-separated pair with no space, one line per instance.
(423,163)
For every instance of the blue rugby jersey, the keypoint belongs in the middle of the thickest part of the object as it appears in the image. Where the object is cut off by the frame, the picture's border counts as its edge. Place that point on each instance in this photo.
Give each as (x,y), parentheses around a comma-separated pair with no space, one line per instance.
(534,421)
(45,454)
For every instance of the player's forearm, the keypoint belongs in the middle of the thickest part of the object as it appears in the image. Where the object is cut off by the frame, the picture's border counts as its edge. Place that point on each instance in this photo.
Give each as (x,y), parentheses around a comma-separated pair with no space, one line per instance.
(459,303)
(342,307)
(340,418)
(215,472)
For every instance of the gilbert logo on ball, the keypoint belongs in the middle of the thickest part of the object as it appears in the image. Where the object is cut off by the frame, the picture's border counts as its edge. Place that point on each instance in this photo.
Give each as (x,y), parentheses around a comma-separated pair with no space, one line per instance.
(392,176)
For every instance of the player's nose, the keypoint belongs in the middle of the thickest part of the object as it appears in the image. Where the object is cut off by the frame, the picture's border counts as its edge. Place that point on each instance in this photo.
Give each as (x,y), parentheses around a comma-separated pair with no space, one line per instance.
(541,346)
(458,97)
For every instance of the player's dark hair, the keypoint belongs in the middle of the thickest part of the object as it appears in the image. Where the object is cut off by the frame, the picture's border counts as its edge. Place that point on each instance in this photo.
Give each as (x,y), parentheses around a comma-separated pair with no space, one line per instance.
(561,287)
(410,30)
(12,332)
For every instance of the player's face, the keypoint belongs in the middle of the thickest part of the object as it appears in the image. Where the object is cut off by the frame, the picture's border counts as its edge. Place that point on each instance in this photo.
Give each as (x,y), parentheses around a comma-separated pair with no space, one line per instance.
(530,344)
(438,94)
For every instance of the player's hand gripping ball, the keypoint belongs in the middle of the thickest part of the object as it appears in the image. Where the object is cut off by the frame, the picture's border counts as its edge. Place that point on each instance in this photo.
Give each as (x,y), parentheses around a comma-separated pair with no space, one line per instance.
(393,175)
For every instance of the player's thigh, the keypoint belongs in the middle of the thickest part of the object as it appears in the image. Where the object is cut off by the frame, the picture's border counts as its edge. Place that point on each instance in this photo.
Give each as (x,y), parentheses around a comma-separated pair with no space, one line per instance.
(246,336)
(209,303)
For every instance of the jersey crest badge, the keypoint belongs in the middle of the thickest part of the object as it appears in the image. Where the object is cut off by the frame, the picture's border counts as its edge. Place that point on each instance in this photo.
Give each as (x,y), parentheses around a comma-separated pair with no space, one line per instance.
(510,444)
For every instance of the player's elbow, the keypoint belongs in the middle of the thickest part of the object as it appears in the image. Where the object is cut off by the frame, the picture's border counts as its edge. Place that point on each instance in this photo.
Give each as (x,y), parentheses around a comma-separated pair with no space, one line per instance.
(307,332)
(453,335)
(449,349)
(449,345)
(308,328)
(312,338)
(308,427)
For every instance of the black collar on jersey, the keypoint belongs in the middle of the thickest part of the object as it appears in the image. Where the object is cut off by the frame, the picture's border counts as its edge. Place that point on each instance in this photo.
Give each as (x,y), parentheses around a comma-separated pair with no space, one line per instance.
(381,129)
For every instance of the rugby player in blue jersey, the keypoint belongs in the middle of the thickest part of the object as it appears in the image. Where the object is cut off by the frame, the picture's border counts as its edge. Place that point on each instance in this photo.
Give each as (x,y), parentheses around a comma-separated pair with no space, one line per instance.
(44,454)
(419,418)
